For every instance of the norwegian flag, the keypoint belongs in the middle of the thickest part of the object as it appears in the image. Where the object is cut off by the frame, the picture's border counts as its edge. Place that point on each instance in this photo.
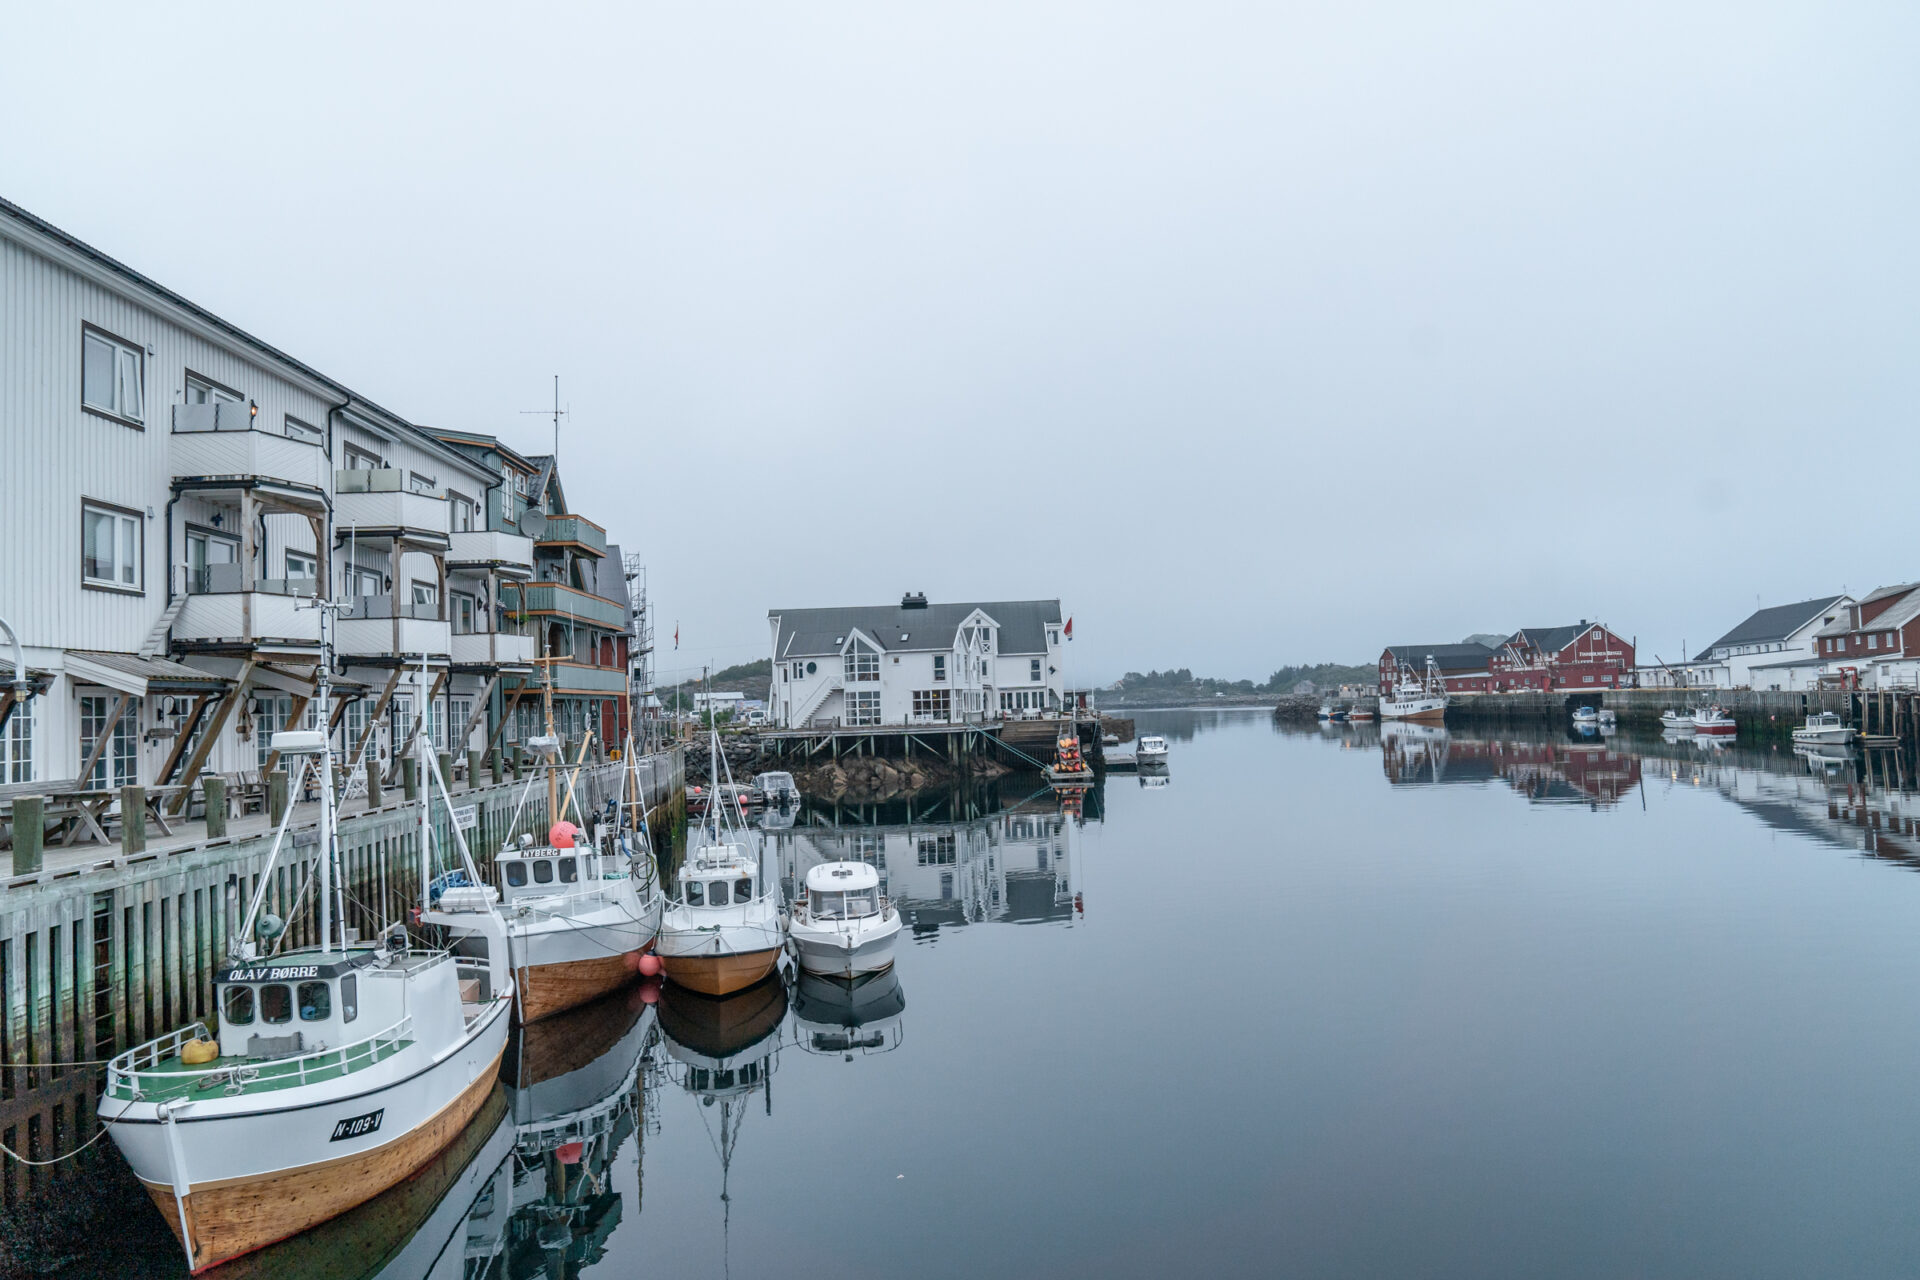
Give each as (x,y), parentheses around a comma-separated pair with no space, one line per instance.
(1069,630)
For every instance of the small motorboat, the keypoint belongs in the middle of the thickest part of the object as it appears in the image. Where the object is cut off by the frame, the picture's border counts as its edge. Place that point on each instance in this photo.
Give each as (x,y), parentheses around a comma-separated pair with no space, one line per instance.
(777,789)
(1360,714)
(1151,751)
(1715,721)
(1586,715)
(844,926)
(1607,718)
(1824,726)
(1326,712)
(1679,720)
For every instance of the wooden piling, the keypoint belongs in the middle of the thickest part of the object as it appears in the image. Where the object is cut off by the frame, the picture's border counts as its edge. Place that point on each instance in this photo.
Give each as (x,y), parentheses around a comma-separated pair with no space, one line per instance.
(214,798)
(29,834)
(133,819)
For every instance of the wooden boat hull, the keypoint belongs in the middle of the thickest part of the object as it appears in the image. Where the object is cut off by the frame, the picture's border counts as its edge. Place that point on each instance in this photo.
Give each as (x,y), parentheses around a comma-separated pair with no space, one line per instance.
(239,1215)
(720,975)
(547,989)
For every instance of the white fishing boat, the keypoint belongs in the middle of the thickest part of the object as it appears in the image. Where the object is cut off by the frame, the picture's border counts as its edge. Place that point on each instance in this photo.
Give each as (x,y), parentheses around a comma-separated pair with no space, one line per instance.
(1586,715)
(1151,751)
(1713,721)
(579,912)
(778,788)
(843,926)
(1679,720)
(1420,699)
(724,931)
(339,1070)
(1824,726)
(1360,713)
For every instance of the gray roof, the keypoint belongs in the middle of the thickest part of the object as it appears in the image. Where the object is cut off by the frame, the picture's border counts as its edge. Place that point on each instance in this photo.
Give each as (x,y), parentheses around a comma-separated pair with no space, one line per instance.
(1448,657)
(1896,615)
(813,632)
(1765,626)
(1552,639)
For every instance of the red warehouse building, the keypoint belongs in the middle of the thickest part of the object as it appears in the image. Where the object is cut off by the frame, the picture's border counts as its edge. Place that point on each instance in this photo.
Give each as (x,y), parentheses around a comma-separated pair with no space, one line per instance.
(1463,667)
(1585,655)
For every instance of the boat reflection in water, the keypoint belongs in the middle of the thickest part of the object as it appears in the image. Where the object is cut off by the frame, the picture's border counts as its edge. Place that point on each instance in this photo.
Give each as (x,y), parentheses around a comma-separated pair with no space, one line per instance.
(1547,770)
(573,1086)
(845,1017)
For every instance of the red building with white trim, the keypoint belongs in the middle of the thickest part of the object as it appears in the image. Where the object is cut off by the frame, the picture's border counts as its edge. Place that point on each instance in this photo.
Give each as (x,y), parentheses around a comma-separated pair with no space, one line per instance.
(1585,656)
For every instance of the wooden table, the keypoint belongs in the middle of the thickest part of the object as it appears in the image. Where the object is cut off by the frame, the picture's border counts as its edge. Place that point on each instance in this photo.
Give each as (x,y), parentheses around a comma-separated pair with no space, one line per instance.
(87,811)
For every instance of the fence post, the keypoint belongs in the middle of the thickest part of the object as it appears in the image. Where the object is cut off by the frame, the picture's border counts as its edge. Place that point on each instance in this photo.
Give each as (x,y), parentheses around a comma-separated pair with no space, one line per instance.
(29,834)
(410,778)
(373,784)
(214,791)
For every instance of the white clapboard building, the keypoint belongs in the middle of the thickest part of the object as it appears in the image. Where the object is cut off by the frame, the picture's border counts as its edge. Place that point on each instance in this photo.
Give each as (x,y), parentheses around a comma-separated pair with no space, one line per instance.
(915,663)
(180,495)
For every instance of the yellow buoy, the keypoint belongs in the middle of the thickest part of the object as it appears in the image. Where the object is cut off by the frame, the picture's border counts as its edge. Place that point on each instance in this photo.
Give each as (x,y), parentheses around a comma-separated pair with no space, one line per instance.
(195,1052)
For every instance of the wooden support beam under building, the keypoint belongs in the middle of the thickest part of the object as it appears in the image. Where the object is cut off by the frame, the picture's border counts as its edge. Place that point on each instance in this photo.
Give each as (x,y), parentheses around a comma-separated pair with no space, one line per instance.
(186,735)
(105,736)
(198,760)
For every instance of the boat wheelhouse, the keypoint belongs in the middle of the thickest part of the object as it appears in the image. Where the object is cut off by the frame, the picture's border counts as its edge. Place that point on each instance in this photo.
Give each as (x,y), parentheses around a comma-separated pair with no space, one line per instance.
(844,926)
(1713,721)
(1152,749)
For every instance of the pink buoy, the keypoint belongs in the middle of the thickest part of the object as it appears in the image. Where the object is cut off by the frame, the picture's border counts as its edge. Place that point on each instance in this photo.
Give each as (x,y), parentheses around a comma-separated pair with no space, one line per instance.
(570,1152)
(650,991)
(650,965)
(560,835)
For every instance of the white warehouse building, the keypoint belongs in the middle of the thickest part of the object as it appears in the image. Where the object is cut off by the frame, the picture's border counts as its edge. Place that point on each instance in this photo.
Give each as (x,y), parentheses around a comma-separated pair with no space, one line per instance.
(915,663)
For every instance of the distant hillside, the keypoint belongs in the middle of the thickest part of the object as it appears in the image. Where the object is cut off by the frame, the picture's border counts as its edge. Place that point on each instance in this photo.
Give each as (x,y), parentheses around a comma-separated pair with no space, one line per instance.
(1182,686)
(750,678)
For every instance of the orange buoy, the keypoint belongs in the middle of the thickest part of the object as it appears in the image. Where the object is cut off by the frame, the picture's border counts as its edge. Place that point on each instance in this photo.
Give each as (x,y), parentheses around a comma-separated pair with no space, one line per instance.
(560,835)
(650,964)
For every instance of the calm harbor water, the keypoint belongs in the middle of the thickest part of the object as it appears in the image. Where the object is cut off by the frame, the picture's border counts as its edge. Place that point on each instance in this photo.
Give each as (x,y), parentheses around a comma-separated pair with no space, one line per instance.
(1331,1002)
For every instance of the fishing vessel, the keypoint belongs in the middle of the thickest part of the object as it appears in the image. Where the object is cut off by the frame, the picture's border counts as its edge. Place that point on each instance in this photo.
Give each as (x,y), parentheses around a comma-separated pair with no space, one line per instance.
(724,930)
(1824,727)
(1673,719)
(1713,721)
(1586,715)
(1360,713)
(579,911)
(1419,698)
(339,1070)
(1069,765)
(1151,751)
(844,925)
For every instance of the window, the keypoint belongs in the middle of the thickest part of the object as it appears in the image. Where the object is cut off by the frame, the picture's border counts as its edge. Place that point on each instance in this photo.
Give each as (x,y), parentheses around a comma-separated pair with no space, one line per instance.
(569,870)
(937,850)
(16,745)
(861,663)
(459,711)
(461,607)
(119,764)
(543,872)
(1033,669)
(422,484)
(743,891)
(359,459)
(934,704)
(1053,637)
(110,551)
(316,1002)
(461,510)
(799,671)
(112,373)
(696,893)
(302,565)
(939,666)
(717,893)
(364,582)
(236,1006)
(863,708)
(206,549)
(423,592)
(1873,641)
(276,1003)
(206,391)
(829,904)
(301,431)
(517,874)
(349,998)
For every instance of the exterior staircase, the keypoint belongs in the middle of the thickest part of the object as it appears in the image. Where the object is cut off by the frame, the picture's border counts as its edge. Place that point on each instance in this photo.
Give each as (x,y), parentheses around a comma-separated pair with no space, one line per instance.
(155,645)
(804,718)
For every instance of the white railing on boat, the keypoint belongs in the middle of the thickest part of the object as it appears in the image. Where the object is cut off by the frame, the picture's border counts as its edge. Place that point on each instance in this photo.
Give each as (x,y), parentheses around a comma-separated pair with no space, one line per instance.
(127,1073)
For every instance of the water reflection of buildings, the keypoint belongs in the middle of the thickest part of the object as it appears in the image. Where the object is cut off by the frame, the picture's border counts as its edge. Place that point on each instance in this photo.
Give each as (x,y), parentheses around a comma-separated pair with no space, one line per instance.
(1013,864)
(1590,771)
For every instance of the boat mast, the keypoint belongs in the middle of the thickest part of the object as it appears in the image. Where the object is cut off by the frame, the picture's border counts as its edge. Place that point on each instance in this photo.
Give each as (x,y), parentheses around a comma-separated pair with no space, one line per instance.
(328,839)
(423,753)
(546,702)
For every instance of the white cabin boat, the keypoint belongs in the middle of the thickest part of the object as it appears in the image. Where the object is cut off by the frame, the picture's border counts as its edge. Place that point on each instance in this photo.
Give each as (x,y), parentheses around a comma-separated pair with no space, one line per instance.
(1824,726)
(1678,720)
(1713,721)
(778,788)
(844,926)
(724,931)
(1586,715)
(1151,751)
(339,1070)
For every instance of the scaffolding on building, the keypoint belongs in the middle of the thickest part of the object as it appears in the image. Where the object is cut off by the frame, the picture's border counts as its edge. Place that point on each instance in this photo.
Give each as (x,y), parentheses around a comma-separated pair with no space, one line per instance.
(648,726)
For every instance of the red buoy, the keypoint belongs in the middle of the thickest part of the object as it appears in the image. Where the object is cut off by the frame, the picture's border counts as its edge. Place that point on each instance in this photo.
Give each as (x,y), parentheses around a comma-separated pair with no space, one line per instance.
(570,1152)
(560,835)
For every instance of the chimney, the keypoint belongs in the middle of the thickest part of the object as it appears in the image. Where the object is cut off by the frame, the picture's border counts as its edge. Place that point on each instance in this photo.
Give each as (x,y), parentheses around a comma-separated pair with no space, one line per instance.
(914,600)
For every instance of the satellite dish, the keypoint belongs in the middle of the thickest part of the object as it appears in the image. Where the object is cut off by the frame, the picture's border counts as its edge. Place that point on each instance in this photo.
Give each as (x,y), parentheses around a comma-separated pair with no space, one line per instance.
(533,522)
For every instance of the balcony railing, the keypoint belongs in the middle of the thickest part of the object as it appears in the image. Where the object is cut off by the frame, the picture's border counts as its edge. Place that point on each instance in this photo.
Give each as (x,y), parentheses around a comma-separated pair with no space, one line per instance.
(492,649)
(576,531)
(552,597)
(378,627)
(510,553)
(388,512)
(259,617)
(227,579)
(575,678)
(215,441)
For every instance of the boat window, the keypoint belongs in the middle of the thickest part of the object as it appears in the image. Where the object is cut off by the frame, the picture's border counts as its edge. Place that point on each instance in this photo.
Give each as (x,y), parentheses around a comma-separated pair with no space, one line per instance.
(239,1005)
(569,870)
(316,1002)
(542,872)
(829,904)
(276,1003)
(861,902)
(717,894)
(516,874)
(349,998)
(696,893)
(743,891)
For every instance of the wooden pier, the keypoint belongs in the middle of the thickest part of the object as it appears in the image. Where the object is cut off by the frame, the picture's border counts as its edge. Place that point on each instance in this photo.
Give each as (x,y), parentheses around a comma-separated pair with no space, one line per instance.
(98,954)
(1019,744)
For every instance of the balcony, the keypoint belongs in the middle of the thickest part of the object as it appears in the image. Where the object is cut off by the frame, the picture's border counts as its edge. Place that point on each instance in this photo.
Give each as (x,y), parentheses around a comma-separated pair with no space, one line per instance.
(492,649)
(570,602)
(219,613)
(482,549)
(577,532)
(377,628)
(215,442)
(571,678)
(386,512)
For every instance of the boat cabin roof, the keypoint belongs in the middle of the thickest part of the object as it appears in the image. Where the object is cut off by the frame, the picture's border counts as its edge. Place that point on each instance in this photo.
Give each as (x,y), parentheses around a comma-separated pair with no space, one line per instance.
(830,877)
(785,779)
(299,966)
(717,859)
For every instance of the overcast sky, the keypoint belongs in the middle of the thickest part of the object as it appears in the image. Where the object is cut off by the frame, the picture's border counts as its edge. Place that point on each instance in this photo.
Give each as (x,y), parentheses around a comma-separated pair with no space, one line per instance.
(1257,333)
